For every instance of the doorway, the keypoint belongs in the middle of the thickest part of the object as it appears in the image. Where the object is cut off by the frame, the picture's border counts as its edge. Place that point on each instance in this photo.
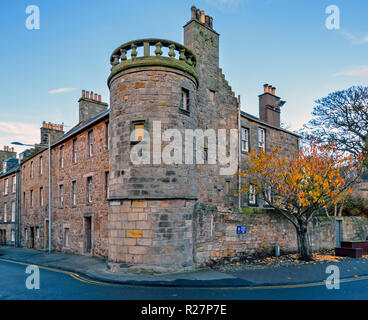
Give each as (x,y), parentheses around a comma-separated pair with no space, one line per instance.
(46,237)
(338,233)
(3,237)
(87,235)
(31,238)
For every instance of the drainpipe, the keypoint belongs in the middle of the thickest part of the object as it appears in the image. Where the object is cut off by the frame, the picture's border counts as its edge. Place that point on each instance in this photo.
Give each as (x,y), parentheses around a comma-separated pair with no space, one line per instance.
(50,204)
(239,154)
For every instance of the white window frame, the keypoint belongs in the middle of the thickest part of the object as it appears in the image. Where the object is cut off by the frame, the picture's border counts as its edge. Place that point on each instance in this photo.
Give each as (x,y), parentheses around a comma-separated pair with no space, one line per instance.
(14,184)
(62,157)
(74,192)
(90,143)
(13,211)
(41,166)
(61,195)
(107,184)
(244,139)
(5,212)
(75,151)
(262,139)
(6,186)
(89,189)
(252,200)
(268,193)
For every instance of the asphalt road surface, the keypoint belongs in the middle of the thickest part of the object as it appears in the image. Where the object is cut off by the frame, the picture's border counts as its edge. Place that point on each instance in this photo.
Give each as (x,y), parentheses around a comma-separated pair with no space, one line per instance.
(59,285)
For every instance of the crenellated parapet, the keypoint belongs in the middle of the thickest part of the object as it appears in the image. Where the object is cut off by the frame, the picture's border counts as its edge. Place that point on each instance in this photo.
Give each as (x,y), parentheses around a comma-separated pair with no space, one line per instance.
(153,52)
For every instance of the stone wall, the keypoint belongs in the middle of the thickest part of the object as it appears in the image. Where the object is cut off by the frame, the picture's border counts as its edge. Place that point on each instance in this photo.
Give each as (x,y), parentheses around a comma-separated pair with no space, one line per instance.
(151,232)
(216,237)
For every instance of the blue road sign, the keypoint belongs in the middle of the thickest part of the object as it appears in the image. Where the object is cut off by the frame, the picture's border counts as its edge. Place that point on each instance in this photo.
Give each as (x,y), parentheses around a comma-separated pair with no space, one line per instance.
(241,229)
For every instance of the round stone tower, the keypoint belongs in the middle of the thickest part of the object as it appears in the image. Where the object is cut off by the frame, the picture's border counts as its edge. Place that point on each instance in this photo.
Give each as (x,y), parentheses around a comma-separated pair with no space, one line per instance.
(153,184)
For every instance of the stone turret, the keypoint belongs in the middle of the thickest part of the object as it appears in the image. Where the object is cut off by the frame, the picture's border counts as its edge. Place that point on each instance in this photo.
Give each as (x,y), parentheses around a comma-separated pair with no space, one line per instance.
(151,203)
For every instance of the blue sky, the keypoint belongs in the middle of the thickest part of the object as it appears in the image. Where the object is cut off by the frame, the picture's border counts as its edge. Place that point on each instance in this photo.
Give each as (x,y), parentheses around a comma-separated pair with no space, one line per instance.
(281,42)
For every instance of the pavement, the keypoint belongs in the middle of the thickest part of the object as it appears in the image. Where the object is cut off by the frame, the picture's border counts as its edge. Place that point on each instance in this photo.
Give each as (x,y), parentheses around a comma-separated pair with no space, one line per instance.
(95,268)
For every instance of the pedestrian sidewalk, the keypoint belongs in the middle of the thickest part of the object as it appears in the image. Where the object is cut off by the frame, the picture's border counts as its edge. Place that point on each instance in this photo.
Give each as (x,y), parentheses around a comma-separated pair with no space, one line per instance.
(95,268)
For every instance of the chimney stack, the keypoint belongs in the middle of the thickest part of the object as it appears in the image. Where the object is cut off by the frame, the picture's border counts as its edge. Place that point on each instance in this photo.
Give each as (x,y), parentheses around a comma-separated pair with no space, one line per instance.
(270,106)
(90,106)
(200,16)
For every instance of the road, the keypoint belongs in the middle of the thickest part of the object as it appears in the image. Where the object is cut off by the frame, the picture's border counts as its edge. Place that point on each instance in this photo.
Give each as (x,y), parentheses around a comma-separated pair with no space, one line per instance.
(59,285)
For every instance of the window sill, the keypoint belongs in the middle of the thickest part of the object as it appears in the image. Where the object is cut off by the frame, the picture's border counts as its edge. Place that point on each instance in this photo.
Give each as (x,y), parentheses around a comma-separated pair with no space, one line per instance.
(138,141)
(252,205)
(183,111)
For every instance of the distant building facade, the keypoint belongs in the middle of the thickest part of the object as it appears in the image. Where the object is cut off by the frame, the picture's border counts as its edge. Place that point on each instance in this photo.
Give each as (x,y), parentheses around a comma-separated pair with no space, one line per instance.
(9,199)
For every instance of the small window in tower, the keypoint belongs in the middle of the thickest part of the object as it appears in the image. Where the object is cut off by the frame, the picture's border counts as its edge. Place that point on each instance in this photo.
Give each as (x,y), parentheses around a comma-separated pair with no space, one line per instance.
(139,131)
(184,99)
(213,96)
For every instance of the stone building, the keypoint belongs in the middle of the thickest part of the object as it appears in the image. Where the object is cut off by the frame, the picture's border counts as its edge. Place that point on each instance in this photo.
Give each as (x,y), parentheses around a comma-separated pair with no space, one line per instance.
(79,175)
(9,201)
(136,210)
(152,205)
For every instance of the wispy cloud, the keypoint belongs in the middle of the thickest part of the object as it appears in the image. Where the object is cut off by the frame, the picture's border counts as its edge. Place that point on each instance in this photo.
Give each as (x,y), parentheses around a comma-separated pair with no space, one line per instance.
(20,132)
(225,4)
(359,71)
(353,39)
(61,90)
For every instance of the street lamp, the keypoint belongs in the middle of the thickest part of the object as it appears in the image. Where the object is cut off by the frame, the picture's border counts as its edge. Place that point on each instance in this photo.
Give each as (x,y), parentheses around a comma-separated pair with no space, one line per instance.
(49,148)
(22,144)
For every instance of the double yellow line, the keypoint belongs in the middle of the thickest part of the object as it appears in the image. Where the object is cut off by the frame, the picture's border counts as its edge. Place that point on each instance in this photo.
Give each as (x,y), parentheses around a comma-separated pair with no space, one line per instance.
(71,274)
(85,280)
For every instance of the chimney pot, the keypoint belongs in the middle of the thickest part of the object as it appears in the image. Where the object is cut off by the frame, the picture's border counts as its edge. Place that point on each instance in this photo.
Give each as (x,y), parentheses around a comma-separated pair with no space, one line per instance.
(207,20)
(99,98)
(265,87)
(83,93)
(203,17)
(211,23)
(96,96)
(273,90)
(269,89)
(198,14)
(87,94)
(193,10)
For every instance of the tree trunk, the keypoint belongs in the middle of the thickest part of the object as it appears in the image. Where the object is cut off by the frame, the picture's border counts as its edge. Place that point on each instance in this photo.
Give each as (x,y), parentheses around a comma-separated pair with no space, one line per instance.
(305,253)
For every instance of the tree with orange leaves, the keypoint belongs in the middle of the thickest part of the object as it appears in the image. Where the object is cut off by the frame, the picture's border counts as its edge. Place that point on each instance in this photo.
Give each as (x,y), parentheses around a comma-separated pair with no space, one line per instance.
(297,187)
